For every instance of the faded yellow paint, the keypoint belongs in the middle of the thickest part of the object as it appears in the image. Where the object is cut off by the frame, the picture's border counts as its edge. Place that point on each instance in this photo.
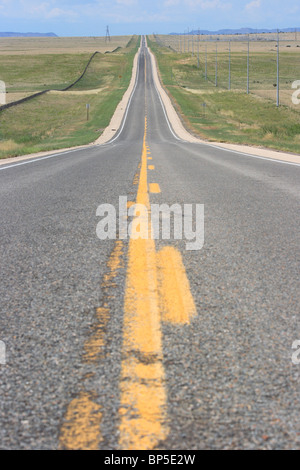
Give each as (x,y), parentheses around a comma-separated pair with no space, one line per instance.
(114,263)
(154,188)
(135,180)
(151,167)
(142,423)
(93,348)
(176,301)
(81,428)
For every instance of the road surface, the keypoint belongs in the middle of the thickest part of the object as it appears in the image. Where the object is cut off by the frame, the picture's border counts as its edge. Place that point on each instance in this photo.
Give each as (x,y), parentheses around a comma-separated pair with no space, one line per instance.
(136,343)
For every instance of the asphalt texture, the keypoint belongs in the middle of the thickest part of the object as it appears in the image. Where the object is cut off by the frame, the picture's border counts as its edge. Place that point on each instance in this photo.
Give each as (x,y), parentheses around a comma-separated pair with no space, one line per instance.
(230,379)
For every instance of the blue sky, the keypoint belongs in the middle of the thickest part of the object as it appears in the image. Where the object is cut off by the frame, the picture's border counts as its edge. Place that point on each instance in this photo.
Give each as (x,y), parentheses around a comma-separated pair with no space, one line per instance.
(89,18)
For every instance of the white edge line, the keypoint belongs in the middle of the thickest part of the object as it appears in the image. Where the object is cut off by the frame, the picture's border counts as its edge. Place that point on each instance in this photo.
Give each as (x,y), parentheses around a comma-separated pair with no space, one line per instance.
(249,154)
(25,162)
(127,108)
(161,101)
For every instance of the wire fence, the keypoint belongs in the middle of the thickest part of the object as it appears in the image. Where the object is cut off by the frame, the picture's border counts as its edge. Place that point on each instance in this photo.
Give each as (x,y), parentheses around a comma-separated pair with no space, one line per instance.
(266,65)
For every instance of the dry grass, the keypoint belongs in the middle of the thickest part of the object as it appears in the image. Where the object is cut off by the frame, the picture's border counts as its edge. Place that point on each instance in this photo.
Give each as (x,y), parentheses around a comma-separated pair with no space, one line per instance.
(239,43)
(68,45)
(11,97)
(8,145)
(285,97)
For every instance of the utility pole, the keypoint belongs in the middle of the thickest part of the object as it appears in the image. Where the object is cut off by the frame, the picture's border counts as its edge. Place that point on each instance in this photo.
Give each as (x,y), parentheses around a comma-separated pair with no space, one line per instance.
(206,61)
(277,100)
(229,84)
(198,44)
(248,65)
(216,64)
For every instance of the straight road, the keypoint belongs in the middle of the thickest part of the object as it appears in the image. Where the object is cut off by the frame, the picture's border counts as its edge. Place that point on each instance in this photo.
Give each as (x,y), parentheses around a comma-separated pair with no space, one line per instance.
(136,343)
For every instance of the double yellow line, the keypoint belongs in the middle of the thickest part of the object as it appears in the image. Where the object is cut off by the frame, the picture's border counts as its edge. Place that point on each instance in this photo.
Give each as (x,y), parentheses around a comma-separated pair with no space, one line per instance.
(156,288)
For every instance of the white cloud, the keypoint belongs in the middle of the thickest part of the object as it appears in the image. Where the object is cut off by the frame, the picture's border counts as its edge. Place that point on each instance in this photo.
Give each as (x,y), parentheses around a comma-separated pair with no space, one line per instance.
(253,5)
(35,10)
(138,18)
(171,3)
(127,2)
(60,13)
(200,4)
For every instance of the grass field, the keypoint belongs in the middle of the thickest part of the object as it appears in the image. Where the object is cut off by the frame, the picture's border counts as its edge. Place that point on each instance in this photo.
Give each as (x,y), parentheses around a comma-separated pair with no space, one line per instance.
(59,119)
(29,65)
(216,113)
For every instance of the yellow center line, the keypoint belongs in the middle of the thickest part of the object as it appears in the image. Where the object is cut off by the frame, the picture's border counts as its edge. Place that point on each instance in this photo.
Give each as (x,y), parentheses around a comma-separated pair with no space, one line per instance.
(143,395)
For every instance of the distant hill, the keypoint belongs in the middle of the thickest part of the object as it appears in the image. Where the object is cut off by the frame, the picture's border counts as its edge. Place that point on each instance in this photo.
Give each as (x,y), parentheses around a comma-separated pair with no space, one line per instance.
(27,35)
(240,31)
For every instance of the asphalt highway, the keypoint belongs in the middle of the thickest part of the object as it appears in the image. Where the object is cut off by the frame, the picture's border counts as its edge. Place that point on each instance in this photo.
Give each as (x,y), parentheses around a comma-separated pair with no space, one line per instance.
(130,343)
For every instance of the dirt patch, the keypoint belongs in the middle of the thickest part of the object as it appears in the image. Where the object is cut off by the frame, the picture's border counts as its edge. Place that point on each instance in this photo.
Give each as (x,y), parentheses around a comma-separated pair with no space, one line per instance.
(11,97)
(8,145)
(285,96)
(77,92)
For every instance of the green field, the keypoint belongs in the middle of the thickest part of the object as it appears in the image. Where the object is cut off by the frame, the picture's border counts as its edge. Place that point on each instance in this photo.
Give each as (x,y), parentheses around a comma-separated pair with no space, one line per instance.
(215,113)
(59,119)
